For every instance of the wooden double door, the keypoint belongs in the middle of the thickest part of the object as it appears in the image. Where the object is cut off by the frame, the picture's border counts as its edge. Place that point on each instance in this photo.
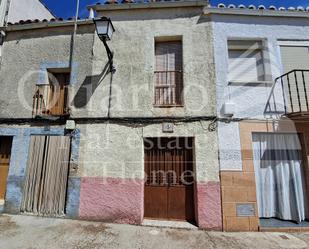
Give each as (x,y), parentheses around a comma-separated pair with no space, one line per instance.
(169,186)
(47,176)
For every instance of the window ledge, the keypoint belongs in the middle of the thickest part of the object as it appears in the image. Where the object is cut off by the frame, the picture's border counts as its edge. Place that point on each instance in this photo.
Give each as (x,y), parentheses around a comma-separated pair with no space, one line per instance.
(265,82)
(168,106)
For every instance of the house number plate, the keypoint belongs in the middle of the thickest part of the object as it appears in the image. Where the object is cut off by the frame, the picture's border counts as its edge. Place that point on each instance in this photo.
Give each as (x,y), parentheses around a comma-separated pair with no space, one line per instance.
(245,210)
(168,127)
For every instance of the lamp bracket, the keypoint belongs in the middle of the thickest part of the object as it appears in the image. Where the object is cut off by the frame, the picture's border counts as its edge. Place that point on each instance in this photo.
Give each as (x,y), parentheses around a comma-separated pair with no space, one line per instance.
(110,55)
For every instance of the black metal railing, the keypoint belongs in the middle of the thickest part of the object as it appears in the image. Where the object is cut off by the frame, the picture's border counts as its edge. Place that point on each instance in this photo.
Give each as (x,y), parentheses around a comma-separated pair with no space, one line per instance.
(294,88)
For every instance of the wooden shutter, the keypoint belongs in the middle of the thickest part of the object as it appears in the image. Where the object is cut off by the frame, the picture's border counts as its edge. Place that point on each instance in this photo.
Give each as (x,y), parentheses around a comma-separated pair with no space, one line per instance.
(52,99)
(46,177)
(58,93)
(168,75)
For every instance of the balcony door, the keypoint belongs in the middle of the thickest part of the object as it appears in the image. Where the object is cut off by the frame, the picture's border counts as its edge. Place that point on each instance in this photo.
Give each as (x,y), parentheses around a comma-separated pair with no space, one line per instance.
(51,98)
(295,56)
(168,74)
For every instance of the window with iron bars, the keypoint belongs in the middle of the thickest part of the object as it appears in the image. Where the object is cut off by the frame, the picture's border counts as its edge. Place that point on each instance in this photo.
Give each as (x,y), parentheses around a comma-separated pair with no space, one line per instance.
(168,74)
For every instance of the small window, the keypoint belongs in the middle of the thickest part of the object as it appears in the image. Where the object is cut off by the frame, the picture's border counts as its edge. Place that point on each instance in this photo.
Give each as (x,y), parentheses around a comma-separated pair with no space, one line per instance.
(168,74)
(246,63)
(51,99)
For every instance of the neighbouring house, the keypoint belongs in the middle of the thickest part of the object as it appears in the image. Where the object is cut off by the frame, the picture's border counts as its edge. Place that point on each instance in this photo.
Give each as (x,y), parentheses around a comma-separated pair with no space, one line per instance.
(15,10)
(136,145)
(262,61)
(12,11)
(38,153)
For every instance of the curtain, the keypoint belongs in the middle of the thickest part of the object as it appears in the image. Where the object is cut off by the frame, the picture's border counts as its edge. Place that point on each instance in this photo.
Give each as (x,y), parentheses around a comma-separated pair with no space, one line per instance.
(281,189)
(47,174)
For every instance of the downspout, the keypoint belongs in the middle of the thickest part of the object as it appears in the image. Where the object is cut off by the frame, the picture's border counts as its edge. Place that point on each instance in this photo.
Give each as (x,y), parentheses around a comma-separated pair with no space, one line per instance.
(73,48)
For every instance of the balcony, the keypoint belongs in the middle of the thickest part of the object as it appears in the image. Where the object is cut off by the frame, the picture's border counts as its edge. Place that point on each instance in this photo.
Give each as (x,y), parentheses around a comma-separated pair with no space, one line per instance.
(289,94)
(49,101)
(168,88)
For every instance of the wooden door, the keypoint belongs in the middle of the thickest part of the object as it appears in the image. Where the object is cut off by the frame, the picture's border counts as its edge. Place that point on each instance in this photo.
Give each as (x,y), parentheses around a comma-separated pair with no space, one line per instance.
(47,175)
(5,155)
(58,93)
(169,186)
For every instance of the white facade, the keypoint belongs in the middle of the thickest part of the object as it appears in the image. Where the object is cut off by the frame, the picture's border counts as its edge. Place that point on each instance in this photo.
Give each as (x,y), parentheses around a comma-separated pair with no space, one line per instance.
(249,99)
(16,10)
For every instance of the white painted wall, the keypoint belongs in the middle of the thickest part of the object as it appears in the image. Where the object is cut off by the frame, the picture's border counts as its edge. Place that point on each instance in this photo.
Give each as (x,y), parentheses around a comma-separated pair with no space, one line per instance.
(27,9)
(3,8)
(249,99)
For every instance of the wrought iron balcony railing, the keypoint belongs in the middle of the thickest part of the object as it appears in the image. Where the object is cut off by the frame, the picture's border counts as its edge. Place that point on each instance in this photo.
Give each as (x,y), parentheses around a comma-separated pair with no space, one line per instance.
(290,93)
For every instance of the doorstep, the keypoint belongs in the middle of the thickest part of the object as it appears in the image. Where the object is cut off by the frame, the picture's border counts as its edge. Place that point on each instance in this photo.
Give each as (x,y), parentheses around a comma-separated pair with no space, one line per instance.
(285,229)
(277,225)
(169,224)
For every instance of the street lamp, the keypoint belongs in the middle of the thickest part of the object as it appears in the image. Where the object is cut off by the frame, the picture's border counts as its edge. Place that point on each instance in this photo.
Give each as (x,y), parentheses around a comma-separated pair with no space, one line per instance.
(105,30)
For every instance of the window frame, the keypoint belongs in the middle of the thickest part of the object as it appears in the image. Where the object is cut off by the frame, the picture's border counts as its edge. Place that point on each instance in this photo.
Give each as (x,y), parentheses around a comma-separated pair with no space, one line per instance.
(171,39)
(265,57)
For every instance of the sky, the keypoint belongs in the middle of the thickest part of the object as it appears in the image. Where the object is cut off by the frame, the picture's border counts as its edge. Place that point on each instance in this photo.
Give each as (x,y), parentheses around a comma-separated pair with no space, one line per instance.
(67,8)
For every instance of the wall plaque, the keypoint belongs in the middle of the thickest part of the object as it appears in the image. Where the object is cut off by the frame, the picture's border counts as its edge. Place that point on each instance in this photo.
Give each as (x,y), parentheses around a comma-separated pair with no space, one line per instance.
(168,127)
(245,210)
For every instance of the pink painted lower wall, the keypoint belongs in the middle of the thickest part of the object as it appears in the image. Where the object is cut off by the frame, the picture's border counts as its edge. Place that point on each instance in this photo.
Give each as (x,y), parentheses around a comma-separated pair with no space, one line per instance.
(112,200)
(122,201)
(209,214)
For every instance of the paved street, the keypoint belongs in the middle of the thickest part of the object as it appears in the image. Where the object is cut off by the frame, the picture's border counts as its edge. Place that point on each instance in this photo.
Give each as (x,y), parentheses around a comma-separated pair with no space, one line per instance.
(31,232)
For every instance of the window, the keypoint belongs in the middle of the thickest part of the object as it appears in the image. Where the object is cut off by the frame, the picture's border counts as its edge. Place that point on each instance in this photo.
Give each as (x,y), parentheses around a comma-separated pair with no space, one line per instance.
(294,55)
(51,99)
(168,74)
(246,63)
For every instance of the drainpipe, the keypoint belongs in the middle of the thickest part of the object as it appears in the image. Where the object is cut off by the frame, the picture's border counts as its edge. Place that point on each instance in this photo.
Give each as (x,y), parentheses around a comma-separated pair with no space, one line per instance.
(73,46)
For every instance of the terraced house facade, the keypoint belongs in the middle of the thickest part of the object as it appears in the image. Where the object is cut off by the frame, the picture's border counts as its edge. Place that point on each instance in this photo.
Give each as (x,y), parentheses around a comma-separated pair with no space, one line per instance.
(261,58)
(182,129)
(152,114)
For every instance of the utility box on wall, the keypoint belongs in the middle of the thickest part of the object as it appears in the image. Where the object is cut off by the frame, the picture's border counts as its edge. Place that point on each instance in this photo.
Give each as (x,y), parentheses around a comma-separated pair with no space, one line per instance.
(229,109)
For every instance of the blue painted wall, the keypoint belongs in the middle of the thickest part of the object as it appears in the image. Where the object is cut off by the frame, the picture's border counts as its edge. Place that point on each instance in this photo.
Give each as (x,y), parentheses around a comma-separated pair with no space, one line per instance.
(56,64)
(18,167)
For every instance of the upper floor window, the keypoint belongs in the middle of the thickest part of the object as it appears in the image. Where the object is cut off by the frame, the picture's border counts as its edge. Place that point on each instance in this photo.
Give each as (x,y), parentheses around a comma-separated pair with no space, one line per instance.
(51,99)
(168,74)
(246,62)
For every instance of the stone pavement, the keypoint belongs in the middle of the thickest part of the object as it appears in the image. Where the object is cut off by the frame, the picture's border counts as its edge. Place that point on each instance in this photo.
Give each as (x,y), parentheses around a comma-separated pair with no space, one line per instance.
(32,232)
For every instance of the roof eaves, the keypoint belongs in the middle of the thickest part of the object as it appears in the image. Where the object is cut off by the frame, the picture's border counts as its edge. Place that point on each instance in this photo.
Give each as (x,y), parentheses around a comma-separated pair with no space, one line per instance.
(43,24)
(256,12)
(148,5)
